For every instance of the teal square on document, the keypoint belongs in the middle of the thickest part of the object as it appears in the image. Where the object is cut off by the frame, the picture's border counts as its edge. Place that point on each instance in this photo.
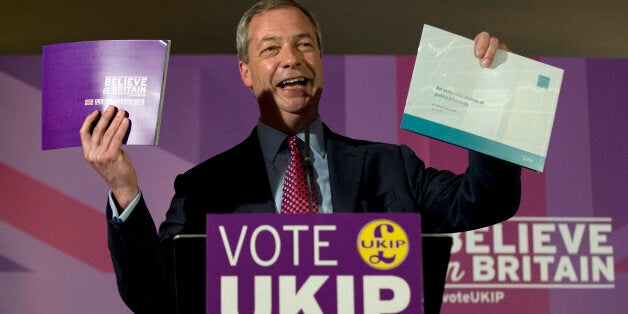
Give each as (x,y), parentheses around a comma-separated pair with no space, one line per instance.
(543,81)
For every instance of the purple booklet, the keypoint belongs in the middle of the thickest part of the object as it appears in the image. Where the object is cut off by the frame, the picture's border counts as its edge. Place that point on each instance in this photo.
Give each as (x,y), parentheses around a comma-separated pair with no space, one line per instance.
(80,77)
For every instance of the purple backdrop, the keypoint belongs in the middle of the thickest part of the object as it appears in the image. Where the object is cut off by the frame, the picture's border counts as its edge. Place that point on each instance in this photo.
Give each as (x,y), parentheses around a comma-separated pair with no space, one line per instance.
(53,255)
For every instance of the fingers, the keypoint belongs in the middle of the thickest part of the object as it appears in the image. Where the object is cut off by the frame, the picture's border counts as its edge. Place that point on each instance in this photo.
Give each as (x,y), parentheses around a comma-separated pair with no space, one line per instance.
(102,135)
(118,136)
(481,44)
(86,129)
(486,47)
(112,129)
(489,56)
(102,126)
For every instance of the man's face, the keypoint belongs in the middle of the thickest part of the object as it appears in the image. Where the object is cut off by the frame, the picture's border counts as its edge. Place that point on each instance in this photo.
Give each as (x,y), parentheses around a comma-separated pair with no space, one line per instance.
(285,67)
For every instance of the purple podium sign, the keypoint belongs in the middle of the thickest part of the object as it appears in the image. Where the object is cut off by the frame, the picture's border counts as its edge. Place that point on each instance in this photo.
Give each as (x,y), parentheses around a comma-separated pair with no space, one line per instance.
(340,263)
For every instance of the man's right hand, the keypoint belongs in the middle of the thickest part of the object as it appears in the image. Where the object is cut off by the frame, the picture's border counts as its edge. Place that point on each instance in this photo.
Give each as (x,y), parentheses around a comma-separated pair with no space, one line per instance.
(101,138)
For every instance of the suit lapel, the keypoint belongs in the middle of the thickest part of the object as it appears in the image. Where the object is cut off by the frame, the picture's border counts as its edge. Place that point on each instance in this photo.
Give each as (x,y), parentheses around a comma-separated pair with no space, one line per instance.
(258,198)
(346,162)
(345,169)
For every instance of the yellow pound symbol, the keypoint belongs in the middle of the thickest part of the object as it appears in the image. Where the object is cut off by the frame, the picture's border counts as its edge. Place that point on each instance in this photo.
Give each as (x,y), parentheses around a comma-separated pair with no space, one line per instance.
(383,244)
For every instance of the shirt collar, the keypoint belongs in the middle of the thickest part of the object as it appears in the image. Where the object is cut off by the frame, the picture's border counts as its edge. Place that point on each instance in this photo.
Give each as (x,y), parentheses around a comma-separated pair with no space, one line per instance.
(271,139)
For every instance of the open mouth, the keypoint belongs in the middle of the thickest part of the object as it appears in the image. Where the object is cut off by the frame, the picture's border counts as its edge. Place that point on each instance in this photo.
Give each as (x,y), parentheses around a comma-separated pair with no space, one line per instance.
(294,83)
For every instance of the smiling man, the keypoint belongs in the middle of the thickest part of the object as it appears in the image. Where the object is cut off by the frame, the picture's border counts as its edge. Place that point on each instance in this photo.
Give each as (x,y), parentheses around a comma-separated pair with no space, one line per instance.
(279,51)
(284,68)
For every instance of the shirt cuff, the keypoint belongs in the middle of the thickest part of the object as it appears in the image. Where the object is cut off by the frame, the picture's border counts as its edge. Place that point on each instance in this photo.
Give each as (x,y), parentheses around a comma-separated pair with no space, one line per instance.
(127,211)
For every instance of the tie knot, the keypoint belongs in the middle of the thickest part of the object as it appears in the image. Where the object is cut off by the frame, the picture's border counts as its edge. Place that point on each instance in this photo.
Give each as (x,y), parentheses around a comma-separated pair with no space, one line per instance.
(293,143)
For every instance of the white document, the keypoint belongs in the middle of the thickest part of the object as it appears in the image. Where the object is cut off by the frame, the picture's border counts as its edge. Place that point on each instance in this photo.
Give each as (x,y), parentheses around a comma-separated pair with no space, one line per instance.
(506,111)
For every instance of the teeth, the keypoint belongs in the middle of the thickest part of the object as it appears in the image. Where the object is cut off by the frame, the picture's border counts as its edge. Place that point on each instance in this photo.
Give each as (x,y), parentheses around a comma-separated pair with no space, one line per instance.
(292,81)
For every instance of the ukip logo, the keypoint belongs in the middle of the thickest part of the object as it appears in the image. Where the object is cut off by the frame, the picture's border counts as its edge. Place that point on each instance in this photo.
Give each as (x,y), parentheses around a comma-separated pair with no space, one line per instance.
(383,244)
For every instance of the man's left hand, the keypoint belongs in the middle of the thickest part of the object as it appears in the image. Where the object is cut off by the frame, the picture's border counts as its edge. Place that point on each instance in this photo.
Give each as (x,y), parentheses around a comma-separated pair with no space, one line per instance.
(485,48)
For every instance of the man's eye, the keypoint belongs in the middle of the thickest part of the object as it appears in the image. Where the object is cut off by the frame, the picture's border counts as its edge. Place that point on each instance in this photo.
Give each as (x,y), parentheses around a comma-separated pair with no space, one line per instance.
(306,46)
(271,48)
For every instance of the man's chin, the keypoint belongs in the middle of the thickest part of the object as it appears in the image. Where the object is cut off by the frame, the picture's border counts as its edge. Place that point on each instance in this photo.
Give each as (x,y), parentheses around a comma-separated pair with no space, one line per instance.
(294,104)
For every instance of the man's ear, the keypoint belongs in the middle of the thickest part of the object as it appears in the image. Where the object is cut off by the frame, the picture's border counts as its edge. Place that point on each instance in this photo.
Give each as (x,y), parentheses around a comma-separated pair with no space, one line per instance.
(245,74)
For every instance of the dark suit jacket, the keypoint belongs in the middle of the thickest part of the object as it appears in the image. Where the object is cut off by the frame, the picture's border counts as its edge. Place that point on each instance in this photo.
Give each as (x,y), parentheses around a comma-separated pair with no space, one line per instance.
(364,177)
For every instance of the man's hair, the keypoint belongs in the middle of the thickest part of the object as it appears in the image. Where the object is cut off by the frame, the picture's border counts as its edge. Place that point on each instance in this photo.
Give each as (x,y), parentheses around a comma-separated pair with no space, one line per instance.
(243,35)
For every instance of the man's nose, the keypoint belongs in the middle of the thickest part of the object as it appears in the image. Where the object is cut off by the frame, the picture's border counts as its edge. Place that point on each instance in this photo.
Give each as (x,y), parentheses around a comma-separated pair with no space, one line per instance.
(291,56)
